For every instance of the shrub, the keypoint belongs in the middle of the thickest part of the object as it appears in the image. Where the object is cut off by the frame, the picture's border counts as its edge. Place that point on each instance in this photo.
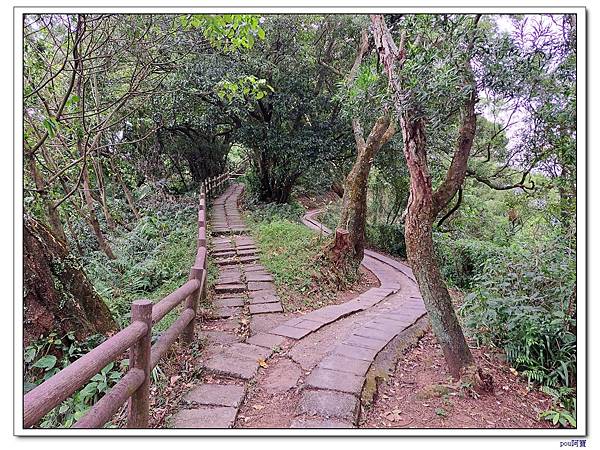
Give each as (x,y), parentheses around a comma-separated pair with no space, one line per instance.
(388,238)
(463,260)
(524,303)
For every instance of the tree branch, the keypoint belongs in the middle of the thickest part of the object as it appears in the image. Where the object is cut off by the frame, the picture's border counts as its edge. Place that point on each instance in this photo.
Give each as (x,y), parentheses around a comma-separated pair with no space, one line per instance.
(507,187)
(454,209)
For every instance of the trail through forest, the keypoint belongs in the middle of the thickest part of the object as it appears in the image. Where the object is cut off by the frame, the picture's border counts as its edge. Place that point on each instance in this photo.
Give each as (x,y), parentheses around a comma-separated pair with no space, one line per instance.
(392,226)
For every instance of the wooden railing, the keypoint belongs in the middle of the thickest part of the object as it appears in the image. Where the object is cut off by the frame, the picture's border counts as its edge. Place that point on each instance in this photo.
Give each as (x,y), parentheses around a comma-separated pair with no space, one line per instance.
(134,386)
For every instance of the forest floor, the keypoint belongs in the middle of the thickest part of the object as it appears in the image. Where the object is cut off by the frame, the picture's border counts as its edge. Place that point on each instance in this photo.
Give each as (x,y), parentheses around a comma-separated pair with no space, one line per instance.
(416,395)
(421,394)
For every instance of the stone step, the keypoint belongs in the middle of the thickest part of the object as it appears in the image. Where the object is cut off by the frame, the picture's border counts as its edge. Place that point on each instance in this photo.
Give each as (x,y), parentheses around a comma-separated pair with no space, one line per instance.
(230,288)
(226,261)
(230,395)
(228,302)
(205,417)
(226,311)
(266,340)
(264,308)
(254,276)
(231,366)
(261,286)
(329,404)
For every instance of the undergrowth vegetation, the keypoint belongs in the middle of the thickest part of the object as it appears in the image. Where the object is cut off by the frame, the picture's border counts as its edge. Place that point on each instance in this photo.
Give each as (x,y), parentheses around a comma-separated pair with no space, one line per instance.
(152,260)
(524,302)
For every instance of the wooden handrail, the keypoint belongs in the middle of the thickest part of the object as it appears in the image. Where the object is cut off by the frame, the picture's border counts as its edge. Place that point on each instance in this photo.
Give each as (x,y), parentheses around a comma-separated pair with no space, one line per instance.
(51,393)
(167,304)
(134,386)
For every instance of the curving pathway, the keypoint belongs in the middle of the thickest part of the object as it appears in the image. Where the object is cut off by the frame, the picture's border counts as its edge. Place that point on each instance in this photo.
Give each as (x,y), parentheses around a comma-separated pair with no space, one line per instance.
(323,356)
(332,390)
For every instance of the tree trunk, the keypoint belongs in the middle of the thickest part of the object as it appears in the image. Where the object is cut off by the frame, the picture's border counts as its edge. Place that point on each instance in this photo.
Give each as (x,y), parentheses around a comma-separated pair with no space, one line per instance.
(354,203)
(420,251)
(338,188)
(126,190)
(93,219)
(424,205)
(274,188)
(57,295)
(353,216)
(51,212)
(98,170)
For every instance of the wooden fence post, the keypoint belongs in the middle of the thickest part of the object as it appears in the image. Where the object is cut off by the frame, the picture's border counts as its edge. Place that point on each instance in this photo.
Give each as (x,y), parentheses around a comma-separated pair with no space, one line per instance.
(202,237)
(138,408)
(191,302)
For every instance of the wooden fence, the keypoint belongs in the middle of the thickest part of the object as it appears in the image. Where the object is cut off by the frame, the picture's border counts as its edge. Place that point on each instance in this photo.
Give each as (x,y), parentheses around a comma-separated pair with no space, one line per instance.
(134,386)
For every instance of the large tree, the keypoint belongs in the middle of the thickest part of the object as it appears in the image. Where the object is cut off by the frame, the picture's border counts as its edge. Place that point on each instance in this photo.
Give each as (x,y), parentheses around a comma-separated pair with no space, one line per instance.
(298,125)
(57,294)
(425,203)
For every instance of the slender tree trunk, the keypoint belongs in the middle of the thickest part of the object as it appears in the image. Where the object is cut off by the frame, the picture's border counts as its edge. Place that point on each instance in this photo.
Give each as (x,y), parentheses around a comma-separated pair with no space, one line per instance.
(93,219)
(420,250)
(102,194)
(353,216)
(126,190)
(83,152)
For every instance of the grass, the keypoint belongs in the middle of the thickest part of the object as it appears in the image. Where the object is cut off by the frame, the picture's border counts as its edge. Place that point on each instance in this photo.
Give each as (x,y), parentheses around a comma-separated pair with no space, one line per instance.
(289,250)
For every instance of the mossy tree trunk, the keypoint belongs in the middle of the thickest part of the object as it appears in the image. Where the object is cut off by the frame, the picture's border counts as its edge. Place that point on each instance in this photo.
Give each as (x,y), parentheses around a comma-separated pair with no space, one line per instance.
(418,235)
(354,203)
(57,295)
(353,216)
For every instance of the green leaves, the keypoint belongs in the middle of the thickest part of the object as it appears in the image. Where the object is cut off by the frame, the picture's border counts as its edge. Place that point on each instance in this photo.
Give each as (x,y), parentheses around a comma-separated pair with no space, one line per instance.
(46,362)
(51,126)
(245,88)
(520,303)
(72,100)
(561,416)
(228,32)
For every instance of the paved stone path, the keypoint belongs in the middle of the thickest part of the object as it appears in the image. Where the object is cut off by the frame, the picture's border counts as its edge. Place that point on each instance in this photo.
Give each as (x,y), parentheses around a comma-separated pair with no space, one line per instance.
(244,288)
(324,354)
(332,391)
